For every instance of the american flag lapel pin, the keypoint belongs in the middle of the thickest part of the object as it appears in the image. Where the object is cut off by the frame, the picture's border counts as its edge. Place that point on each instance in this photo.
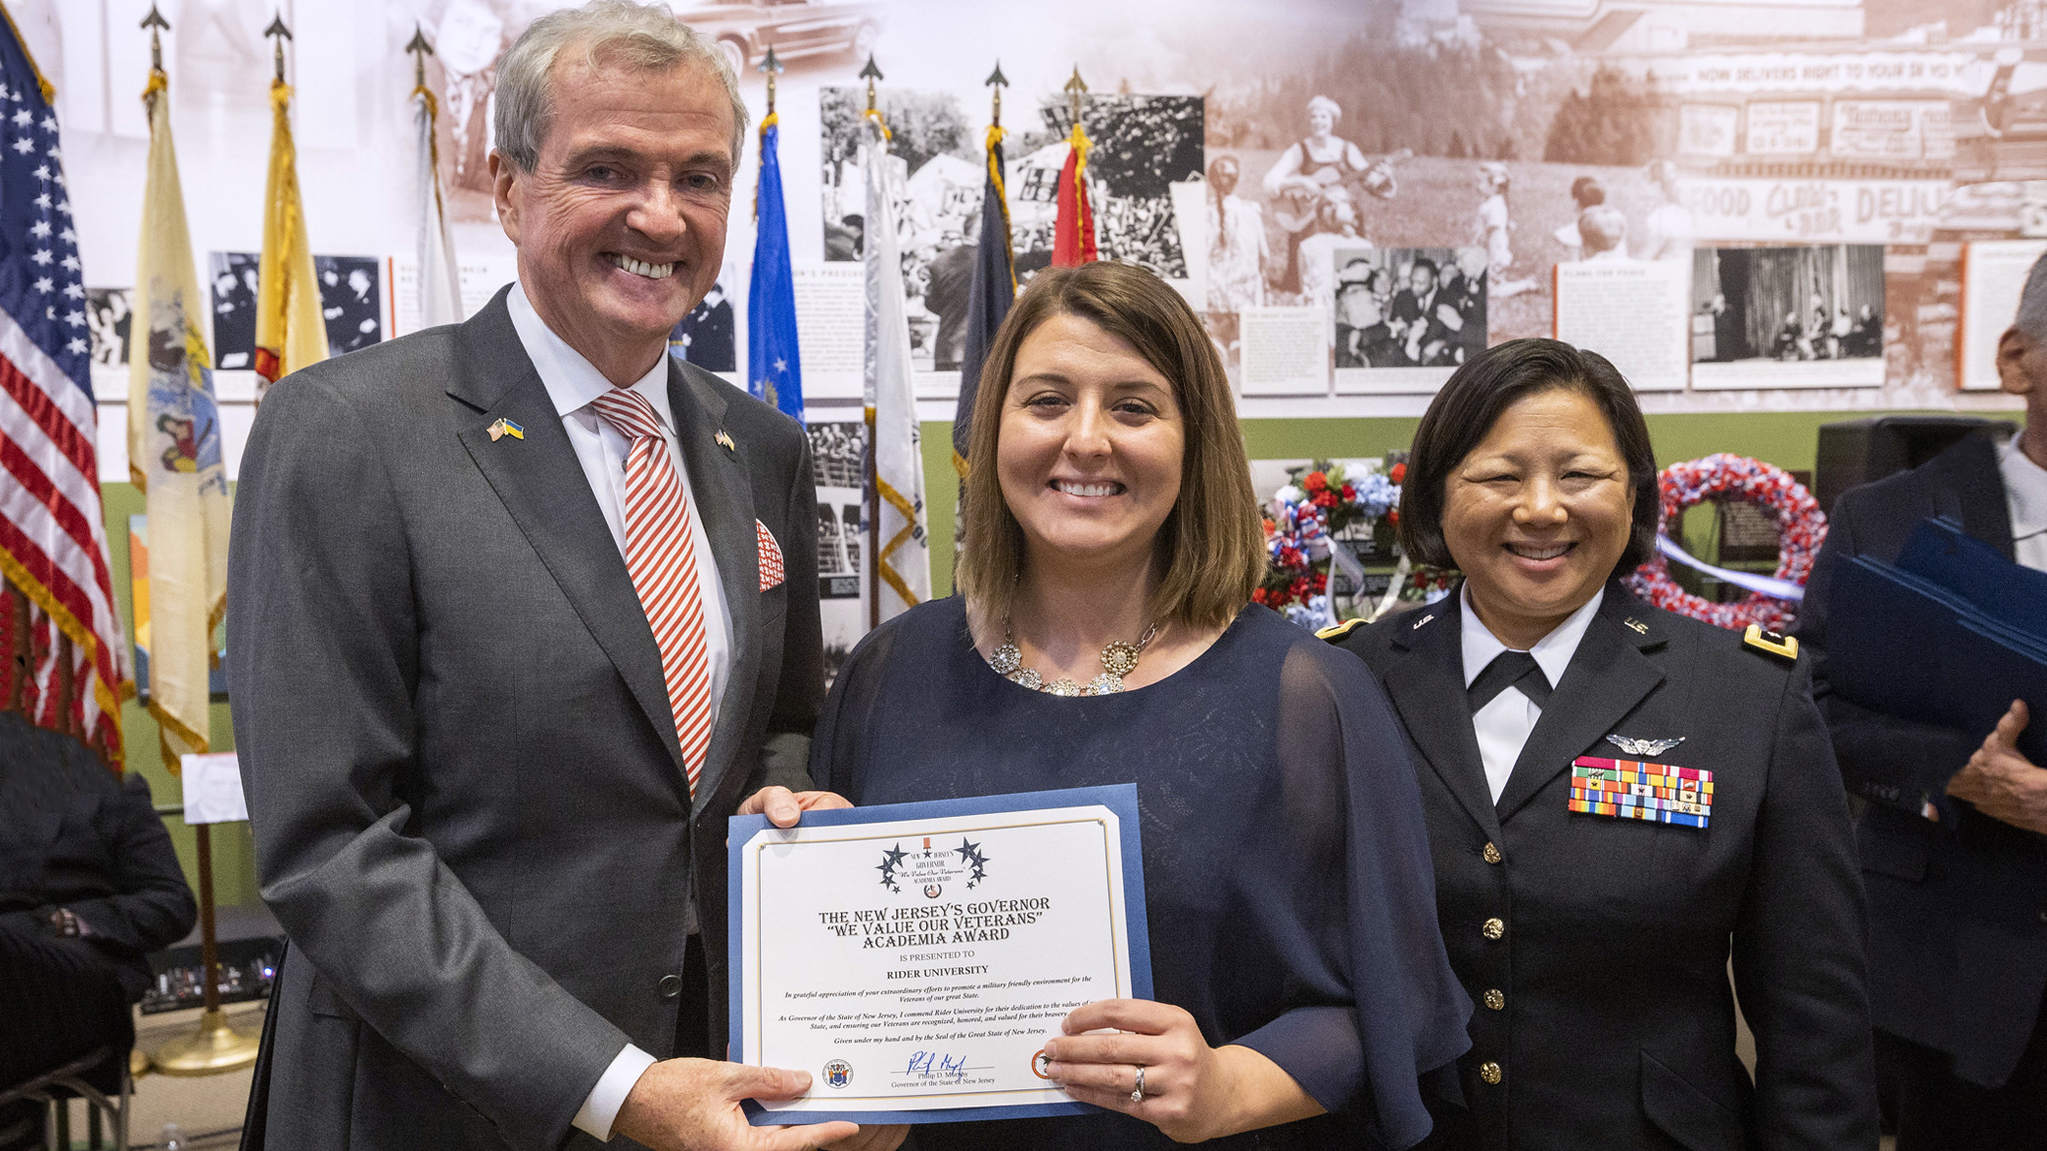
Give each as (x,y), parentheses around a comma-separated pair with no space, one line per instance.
(725,441)
(503,428)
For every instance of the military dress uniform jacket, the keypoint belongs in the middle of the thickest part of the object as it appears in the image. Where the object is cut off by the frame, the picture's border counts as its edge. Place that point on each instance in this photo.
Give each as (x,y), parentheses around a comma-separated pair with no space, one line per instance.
(1597,947)
(1957,907)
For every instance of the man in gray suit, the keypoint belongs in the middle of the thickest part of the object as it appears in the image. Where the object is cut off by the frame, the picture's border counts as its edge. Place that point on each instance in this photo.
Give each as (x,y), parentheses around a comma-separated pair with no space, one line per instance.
(521,611)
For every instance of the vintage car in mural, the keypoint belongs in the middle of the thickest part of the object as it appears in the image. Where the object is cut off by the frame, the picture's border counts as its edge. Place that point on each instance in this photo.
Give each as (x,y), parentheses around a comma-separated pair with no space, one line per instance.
(746,29)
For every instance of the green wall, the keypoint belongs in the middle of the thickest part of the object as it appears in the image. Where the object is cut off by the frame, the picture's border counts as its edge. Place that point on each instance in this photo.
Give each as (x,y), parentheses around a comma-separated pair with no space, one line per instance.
(1787,439)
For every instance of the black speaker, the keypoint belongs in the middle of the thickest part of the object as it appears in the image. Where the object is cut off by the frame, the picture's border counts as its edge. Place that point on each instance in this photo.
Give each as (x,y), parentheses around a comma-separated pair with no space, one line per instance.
(1856,452)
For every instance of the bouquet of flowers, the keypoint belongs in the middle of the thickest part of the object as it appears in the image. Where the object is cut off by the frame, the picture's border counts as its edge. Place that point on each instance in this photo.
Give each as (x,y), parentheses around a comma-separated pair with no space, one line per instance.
(1304,521)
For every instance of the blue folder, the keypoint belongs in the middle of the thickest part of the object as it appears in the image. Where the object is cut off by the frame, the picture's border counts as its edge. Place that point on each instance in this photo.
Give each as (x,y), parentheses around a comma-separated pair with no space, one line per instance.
(1950,635)
(1939,550)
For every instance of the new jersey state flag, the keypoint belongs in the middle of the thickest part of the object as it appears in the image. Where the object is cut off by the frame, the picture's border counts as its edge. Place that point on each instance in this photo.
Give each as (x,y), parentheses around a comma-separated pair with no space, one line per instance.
(174,450)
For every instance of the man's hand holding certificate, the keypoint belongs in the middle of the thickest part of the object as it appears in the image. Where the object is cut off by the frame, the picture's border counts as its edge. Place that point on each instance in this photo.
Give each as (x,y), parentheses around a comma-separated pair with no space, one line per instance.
(916,958)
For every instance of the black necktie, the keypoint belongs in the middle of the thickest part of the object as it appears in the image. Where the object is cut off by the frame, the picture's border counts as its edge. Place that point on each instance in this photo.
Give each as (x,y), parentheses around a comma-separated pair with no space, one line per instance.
(1508,669)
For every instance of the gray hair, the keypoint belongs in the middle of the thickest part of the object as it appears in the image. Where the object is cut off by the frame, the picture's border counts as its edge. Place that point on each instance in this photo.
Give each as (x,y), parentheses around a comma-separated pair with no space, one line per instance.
(643,37)
(2032,317)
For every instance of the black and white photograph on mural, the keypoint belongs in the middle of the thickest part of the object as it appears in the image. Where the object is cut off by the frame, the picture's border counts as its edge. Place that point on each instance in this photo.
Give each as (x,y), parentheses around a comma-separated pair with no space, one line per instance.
(1808,316)
(232,277)
(351,301)
(1403,319)
(838,454)
(110,318)
(706,336)
(1142,147)
(939,156)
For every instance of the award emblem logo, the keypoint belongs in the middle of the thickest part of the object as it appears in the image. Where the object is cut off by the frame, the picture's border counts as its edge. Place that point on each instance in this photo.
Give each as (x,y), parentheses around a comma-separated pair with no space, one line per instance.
(932,868)
(838,1073)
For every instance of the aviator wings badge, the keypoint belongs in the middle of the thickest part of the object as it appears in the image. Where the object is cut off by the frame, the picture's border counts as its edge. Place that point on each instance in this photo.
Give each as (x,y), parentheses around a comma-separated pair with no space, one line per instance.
(1643,747)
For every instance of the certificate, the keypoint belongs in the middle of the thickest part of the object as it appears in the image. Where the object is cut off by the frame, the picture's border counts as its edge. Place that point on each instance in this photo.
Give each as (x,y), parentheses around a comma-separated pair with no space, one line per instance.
(915,957)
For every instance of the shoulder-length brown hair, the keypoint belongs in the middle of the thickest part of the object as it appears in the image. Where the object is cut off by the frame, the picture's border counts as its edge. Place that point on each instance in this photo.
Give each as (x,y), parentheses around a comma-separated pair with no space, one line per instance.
(1463,413)
(1211,549)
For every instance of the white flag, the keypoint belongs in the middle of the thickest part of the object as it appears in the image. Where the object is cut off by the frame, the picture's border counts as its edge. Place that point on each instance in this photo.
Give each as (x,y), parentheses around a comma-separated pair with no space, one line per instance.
(440,285)
(902,543)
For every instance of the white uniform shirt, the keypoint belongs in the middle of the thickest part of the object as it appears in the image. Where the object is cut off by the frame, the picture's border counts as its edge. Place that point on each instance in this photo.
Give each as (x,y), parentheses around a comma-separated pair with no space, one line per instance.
(2025,494)
(572,383)
(1503,724)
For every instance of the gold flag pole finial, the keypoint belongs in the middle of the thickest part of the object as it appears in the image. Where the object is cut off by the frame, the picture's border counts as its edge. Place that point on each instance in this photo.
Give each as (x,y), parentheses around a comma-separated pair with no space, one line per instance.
(997,82)
(1075,89)
(420,50)
(156,25)
(770,66)
(870,74)
(278,34)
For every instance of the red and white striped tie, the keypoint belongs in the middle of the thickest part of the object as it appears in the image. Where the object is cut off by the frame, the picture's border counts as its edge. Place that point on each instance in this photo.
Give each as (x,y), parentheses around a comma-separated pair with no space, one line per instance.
(660,555)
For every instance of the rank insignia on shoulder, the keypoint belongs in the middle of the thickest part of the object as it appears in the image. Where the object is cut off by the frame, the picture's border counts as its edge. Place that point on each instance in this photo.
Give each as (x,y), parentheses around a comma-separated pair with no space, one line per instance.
(1333,634)
(1776,643)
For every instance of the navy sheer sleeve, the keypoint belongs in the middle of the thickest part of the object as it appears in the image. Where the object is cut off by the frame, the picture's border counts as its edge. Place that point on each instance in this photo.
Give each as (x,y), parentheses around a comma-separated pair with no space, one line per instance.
(1289,890)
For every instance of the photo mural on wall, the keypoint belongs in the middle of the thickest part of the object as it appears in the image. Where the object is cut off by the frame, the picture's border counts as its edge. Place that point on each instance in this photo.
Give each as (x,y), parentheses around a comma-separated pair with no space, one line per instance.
(1246,153)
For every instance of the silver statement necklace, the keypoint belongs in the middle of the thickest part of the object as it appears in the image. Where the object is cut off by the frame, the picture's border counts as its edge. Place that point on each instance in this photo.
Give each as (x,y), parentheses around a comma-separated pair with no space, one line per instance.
(1119,659)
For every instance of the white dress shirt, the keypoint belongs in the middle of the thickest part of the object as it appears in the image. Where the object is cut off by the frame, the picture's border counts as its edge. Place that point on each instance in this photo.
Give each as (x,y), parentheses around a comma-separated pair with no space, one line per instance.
(1502,725)
(2025,494)
(572,383)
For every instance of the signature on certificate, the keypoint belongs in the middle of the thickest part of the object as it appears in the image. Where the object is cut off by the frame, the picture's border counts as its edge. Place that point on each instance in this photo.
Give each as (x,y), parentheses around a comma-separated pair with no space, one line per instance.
(938,1065)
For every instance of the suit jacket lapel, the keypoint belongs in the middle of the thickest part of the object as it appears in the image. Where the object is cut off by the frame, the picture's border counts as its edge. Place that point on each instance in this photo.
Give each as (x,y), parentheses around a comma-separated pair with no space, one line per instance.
(1607,676)
(719,485)
(543,486)
(1978,486)
(1426,684)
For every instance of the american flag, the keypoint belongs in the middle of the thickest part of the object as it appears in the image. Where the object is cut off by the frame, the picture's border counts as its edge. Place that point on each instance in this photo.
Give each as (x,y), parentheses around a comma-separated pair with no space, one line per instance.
(53,546)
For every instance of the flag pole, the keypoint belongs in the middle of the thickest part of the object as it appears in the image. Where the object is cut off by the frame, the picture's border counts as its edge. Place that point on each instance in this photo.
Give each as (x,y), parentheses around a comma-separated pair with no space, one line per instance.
(216,1047)
(870,74)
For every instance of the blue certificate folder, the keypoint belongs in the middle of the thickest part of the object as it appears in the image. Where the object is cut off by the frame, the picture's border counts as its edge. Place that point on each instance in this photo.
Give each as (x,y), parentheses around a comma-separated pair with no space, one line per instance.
(1950,635)
(1120,798)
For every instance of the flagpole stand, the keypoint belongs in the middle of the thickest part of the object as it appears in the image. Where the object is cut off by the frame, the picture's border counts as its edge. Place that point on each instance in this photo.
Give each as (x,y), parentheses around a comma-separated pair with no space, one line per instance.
(215,1047)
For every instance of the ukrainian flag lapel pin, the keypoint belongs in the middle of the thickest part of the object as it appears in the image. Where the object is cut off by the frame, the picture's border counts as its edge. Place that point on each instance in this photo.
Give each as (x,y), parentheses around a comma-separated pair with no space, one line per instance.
(725,441)
(504,428)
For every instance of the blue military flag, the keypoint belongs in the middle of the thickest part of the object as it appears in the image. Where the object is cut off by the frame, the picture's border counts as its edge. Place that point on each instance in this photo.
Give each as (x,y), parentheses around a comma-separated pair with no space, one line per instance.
(988,300)
(774,371)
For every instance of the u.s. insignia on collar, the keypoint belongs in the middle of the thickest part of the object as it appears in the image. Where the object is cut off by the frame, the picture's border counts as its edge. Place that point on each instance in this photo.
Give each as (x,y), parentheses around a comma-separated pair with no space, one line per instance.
(725,441)
(1635,746)
(1635,625)
(504,428)
(1423,620)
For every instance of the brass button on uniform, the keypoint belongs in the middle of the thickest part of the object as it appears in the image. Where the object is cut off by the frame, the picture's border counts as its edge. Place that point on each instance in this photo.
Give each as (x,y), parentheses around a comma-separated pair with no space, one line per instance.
(670,987)
(1493,929)
(1495,1000)
(1490,1072)
(1491,854)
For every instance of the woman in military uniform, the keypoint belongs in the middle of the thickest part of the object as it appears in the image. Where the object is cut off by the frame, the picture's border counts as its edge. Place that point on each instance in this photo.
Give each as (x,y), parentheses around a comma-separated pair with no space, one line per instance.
(1618,799)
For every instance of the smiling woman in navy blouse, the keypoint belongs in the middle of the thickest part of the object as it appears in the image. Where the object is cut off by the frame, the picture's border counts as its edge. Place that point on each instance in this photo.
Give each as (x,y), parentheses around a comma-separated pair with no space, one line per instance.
(1105,635)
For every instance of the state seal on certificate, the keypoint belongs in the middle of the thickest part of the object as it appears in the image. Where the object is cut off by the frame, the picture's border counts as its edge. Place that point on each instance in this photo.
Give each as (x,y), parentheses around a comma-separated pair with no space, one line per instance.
(915,957)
